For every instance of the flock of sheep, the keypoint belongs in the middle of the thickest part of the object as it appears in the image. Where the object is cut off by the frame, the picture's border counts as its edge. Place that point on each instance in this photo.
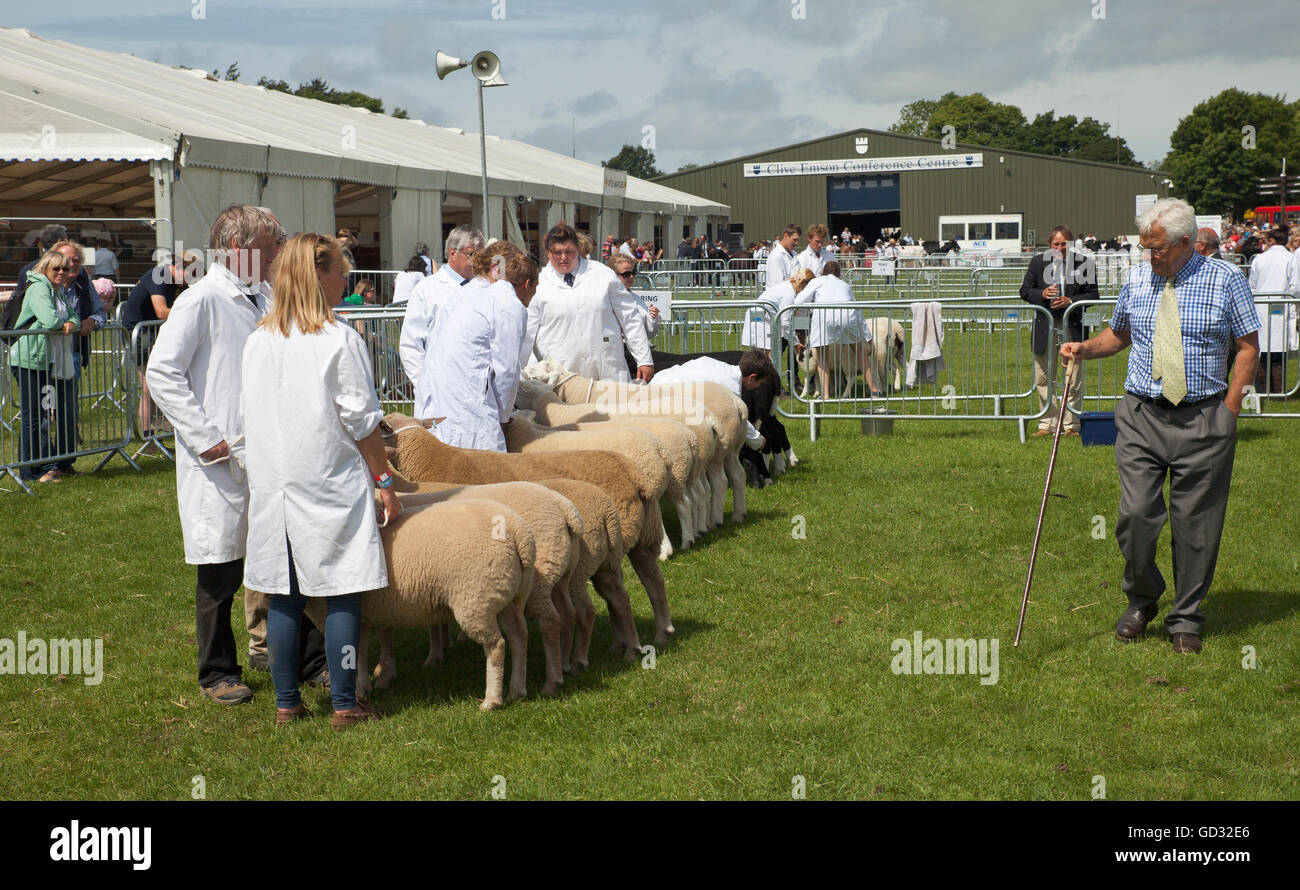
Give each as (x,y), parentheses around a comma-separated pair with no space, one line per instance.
(489,539)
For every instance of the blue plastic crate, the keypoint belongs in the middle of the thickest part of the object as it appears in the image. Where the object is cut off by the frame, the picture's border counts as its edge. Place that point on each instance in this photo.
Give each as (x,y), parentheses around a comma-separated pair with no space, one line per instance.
(1097,427)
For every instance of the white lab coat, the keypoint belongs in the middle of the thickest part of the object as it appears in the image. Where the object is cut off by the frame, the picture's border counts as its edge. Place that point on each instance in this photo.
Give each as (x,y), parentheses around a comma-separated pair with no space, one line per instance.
(815,261)
(194,378)
(583,327)
(313,400)
(651,325)
(708,370)
(403,284)
(1275,272)
(757,330)
(781,264)
(831,326)
(472,371)
(422,308)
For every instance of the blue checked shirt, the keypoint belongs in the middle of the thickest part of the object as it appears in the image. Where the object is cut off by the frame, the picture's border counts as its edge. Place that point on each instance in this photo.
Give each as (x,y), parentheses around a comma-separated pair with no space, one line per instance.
(1215,307)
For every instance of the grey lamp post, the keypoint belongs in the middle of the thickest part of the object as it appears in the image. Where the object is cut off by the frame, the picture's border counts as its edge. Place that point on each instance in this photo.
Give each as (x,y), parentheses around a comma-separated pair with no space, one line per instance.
(487,68)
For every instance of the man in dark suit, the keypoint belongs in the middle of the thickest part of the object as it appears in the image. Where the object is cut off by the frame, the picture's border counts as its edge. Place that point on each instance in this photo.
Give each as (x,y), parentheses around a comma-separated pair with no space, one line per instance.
(1054,280)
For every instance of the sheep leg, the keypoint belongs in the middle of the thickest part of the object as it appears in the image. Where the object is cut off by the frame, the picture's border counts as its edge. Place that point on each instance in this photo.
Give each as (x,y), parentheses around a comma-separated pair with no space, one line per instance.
(718,485)
(683,507)
(778,463)
(483,630)
(543,611)
(386,670)
(512,624)
(363,665)
(563,603)
(701,504)
(437,645)
(609,584)
(665,545)
(646,566)
(736,476)
(585,618)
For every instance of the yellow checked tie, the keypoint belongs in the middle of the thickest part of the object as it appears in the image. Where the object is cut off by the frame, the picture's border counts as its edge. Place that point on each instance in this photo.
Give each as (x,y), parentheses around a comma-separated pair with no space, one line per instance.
(1167,349)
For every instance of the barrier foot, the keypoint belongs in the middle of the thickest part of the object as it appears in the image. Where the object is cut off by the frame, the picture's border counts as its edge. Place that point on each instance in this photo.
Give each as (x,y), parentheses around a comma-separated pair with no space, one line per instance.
(126,457)
(812,421)
(19,479)
(1020,422)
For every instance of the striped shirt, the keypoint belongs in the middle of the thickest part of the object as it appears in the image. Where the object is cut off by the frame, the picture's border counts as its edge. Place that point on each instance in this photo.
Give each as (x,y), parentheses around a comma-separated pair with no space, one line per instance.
(1215,307)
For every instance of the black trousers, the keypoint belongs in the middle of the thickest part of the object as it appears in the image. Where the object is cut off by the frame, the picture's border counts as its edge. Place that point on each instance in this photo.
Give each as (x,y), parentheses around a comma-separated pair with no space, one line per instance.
(213,594)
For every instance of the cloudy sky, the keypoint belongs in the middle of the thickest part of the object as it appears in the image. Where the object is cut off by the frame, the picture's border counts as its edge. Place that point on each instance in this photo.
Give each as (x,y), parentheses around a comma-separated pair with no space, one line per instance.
(725,78)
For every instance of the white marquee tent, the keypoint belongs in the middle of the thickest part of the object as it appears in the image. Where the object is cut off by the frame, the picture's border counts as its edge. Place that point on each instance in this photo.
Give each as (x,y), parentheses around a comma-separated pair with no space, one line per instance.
(86,133)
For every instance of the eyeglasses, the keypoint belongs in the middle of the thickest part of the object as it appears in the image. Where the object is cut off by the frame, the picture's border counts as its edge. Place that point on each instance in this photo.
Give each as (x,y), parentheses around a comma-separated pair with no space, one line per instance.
(627,274)
(1159,251)
(562,254)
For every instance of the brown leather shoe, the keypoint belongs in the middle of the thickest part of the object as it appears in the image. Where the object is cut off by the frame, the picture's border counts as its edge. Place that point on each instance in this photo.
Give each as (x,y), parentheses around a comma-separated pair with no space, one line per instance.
(230,691)
(1069,433)
(360,714)
(283,716)
(1133,622)
(1186,644)
(1041,433)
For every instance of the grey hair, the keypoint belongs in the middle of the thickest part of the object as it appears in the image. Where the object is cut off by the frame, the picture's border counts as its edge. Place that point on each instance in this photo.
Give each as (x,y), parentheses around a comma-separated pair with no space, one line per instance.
(52,233)
(242,224)
(462,237)
(1175,216)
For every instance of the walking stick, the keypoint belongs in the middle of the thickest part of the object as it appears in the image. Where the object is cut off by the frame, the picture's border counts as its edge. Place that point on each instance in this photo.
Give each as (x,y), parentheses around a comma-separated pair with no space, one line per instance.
(1071,373)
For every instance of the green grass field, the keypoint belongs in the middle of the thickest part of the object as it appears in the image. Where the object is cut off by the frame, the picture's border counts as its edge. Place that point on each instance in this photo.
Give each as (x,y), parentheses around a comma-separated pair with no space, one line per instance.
(780,667)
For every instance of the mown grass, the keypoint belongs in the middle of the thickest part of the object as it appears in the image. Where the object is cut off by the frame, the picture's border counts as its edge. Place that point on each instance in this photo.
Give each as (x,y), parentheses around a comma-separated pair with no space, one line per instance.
(780,667)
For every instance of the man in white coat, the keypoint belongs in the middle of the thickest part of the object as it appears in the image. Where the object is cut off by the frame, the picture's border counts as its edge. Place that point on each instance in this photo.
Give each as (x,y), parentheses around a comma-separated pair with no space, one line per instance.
(1275,272)
(815,256)
(428,299)
(581,315)
(781,263)
(194,378)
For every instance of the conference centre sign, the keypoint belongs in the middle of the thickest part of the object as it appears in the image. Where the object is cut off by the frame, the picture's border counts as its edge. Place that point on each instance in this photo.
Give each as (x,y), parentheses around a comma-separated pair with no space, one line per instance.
(865,165)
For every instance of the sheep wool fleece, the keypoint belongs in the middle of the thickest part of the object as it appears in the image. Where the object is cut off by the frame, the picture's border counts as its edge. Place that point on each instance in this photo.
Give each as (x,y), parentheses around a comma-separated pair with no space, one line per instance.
(309,402)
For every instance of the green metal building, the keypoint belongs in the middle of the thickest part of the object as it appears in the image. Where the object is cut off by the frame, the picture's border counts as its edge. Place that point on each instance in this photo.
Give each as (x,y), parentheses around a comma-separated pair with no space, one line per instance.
(885,181)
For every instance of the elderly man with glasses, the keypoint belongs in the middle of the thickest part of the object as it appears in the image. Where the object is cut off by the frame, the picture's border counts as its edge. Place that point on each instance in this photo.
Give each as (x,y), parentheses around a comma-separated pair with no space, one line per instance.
(582,316)
(429,298)
(1181,313)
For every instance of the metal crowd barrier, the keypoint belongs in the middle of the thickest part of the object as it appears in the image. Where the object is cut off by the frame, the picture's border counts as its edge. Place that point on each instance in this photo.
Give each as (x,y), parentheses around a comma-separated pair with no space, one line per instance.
(1103,379)
(666,265)
(150,424)
(384,280)
(987,371)
(381,328)
(99,425)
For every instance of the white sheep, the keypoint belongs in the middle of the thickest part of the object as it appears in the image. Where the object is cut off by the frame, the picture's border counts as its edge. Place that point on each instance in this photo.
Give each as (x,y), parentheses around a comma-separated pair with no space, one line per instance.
(685,450)
(557,534)
(471,561)
(421,457)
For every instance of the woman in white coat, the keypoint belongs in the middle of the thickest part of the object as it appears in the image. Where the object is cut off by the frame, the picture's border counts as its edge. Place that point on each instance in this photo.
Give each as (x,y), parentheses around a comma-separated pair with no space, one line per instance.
(582,316)
(839,340)
(314,454)
(757,329)
(472,367)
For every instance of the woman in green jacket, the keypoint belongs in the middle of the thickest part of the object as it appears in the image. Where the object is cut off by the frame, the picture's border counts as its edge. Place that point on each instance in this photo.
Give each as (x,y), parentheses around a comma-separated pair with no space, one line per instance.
(43,365)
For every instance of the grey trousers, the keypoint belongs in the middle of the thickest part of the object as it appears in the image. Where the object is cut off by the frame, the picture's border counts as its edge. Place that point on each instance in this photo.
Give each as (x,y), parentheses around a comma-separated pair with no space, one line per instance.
(1193,446)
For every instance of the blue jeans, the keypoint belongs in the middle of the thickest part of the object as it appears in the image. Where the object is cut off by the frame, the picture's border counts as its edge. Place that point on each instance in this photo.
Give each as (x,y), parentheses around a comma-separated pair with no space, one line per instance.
(38,394)
(283,639)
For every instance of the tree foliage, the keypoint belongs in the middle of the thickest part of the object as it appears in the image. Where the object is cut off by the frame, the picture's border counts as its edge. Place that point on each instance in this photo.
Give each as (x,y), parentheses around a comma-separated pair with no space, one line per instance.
(637,160)
(977,120)
(1229,140)
(318,88)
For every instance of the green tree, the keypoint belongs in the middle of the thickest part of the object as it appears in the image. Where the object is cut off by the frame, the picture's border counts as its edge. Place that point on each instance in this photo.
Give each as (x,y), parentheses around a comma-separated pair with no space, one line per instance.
(914,117)
(636,160)
(684,167)
(1229,140)
(1068,137)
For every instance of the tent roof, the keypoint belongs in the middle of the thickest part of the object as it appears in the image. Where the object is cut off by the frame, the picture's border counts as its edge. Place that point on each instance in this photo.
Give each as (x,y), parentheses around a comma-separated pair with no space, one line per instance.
(62,102)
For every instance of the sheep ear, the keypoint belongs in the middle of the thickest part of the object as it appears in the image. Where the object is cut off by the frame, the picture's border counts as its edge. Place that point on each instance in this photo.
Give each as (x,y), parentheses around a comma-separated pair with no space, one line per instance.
(429,423)
(391,453)
(385,427)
